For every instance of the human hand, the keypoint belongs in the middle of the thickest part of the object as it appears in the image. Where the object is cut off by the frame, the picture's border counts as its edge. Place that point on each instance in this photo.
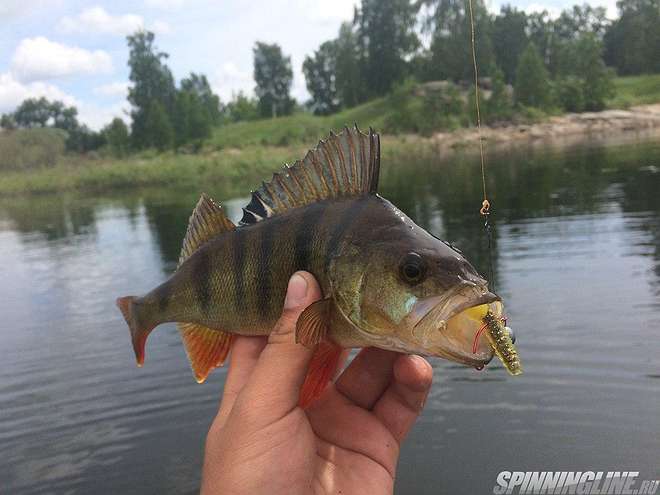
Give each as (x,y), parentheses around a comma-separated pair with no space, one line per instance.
(348,441)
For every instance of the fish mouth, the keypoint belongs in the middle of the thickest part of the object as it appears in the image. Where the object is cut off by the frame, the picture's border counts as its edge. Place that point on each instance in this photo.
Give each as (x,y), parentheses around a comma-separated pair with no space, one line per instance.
(454,322)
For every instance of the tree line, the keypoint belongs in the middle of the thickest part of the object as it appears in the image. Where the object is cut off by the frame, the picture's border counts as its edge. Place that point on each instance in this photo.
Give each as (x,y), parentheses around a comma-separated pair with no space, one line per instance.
(566,62)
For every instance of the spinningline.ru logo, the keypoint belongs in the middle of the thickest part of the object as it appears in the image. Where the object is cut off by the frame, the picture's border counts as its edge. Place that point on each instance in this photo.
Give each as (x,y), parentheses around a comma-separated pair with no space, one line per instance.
(573,482)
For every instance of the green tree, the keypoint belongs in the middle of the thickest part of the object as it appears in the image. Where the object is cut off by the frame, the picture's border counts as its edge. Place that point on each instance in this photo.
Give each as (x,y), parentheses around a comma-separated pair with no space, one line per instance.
(273,76)
(33,112)
(198,85)
(632,44)
(348,76)
(320,75)
(386,38)
(152,82)
(499,106)
(583,58)
(532,87)
(451,49)
(117,137)
(509,40)
(241,108)
(158,130)
(7,121)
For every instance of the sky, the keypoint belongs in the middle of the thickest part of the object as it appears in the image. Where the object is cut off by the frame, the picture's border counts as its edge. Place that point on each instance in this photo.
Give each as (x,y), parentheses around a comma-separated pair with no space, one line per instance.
(75,51)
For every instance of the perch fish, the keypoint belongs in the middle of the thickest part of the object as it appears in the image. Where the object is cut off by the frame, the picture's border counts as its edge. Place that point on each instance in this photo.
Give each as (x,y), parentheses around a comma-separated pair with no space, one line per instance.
(386,282)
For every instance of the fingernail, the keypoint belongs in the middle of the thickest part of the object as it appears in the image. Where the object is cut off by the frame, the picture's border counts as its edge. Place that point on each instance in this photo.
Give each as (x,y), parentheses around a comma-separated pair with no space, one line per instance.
(296,293)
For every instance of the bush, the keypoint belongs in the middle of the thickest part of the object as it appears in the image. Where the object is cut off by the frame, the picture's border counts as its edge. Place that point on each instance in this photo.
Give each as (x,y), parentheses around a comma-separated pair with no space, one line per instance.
(570,94)
(31,148)
(532,86)
(499,107)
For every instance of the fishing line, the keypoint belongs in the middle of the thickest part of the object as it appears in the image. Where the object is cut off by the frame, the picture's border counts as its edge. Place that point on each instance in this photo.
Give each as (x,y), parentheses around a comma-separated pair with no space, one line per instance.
(485,205)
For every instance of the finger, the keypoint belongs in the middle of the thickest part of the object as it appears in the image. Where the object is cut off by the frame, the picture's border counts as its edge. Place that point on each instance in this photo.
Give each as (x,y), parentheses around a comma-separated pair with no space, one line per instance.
(367,377)
(404,399)
(245,353)
(274,386)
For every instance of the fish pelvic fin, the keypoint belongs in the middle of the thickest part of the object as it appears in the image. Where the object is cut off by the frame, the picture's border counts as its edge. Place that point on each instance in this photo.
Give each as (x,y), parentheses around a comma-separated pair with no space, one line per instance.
(206,348)
(207,220)
(322,369)
(139,330)
(343,165)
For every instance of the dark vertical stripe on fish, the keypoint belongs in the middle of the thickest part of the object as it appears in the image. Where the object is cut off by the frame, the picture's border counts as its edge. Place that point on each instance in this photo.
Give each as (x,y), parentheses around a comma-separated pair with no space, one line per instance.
(264,258)
(238,255)
(201,275)
(347,219)
(305,232)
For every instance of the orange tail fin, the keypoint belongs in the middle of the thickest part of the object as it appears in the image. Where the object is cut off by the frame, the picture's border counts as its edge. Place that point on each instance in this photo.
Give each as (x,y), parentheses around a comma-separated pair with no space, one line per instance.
(321,370)
(139,332)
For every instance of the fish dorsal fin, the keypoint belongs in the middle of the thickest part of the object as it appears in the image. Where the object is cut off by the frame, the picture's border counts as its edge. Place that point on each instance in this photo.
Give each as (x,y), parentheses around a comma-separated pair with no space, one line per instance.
(207,220)
(344,165)
(206,348)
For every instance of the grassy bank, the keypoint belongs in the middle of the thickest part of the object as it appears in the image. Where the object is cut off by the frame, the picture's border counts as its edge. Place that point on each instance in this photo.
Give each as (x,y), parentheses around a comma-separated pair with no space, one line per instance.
(636,90)
(239,155)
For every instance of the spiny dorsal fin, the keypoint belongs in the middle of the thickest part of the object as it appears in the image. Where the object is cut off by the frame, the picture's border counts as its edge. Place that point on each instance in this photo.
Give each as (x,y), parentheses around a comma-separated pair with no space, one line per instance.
(341,166)
(206,348)
(207,221)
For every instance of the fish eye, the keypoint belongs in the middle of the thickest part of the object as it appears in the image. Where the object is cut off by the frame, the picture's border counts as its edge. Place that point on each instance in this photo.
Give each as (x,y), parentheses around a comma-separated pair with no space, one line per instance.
(412,268)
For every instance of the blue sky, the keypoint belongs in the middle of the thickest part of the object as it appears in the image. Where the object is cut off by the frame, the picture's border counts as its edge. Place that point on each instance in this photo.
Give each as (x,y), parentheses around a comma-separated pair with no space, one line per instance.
(75,50)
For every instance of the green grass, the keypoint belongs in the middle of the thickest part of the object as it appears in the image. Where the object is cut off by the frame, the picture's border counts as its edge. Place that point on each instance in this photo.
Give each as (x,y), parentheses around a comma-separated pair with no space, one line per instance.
(299,128)
(229,172)
(636,90)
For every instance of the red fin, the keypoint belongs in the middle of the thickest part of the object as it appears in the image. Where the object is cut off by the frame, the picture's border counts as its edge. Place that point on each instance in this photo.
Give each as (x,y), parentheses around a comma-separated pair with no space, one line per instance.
(321,370)
(139,332)
(312,324)
(206,348)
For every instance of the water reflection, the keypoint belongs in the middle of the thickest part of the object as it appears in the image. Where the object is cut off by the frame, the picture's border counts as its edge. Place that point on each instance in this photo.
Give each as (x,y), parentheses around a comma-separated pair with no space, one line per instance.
(576,255)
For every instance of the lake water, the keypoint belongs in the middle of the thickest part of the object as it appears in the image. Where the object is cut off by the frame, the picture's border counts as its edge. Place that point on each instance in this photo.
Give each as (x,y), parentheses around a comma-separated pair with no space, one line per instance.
(576,258)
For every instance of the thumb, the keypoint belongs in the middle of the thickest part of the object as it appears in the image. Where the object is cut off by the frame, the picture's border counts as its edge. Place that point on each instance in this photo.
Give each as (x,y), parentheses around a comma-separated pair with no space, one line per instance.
(275,383)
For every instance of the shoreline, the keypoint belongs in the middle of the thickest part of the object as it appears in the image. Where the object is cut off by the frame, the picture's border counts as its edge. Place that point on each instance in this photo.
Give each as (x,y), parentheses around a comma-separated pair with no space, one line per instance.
(565,130)
(236,168)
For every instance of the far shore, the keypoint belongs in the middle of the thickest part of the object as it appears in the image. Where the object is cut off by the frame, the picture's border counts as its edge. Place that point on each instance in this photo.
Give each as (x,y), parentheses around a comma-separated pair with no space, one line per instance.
(236,169)
(564,130)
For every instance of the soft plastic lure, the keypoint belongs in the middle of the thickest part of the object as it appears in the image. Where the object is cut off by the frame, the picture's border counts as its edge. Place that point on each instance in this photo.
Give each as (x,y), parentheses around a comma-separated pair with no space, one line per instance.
(500,340)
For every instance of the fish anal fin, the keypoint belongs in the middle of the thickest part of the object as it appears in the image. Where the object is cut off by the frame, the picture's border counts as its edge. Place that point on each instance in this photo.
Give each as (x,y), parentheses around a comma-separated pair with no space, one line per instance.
(344,165)
(206,348)
(208,219)
(312,324)
(321,370)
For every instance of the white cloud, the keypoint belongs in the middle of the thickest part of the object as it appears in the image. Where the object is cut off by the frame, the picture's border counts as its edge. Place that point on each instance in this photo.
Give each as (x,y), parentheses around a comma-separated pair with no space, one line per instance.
(230,79)
(165,4)
(552,11)
(13,92)
(330,12)
(96,117)
(98,20)
(15,8)
(117,88)
(160,27)
(40,59)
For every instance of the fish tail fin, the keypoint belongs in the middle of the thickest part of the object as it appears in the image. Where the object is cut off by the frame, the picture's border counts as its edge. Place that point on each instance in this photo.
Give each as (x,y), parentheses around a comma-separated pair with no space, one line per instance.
(139,331)
(321,370)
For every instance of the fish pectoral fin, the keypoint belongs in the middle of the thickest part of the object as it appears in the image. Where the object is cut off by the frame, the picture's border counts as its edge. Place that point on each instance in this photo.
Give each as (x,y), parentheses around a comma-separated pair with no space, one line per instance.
(322,369)
(312,325)
(206,348)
